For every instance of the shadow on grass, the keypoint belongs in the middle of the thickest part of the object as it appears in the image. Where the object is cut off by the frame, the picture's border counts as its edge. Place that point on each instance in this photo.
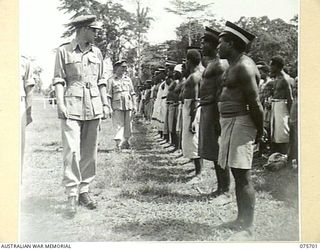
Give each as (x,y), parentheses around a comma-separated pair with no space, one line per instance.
(49,149)
(163,175)
(166,230)
(162,196)
(43,204)
(282,185)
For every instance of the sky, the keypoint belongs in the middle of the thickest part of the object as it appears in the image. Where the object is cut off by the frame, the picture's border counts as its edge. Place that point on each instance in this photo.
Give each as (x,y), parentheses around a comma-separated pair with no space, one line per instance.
(41,24)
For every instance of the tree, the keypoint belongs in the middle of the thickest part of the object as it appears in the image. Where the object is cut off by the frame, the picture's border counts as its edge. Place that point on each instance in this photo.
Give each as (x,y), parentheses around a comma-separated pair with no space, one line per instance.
(190,33)
(122,33)
(274,37)
(116,33)
(141,25)
(190,10)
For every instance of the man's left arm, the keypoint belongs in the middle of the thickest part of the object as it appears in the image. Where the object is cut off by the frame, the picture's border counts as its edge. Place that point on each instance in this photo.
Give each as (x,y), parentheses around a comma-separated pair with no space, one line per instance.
(133,96)
(288,90)
(248,78)
(28,88)
(102,83)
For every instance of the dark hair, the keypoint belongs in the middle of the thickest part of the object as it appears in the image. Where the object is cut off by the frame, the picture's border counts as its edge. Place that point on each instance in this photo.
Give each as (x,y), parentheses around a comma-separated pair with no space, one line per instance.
(238,44)
(194,56)
(277,61)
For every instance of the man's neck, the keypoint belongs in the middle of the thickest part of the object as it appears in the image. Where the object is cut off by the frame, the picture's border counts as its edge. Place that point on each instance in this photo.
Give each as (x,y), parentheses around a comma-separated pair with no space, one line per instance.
(212,55)
(82,43)
(278,74)
(234,57)
(119,76)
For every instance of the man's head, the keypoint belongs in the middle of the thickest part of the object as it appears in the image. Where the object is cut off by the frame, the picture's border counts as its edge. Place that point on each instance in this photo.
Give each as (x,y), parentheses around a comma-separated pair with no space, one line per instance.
(148,84)
(209,41)
(276,65)
(169,67)
(193,58)
(177,72)
(85,27)
(120,67)
(162,73)
(233,39)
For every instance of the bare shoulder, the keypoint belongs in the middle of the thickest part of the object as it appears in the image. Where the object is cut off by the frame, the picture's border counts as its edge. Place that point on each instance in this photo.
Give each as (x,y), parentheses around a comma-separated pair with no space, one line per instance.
(195,77)
(246,66)
(284,80)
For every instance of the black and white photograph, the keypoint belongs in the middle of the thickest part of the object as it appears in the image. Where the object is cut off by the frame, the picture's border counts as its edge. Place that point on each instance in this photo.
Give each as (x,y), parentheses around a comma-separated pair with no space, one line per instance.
(159,121)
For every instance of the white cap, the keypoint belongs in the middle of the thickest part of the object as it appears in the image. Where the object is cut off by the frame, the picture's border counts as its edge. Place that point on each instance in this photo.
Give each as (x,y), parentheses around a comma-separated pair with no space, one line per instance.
(178,68)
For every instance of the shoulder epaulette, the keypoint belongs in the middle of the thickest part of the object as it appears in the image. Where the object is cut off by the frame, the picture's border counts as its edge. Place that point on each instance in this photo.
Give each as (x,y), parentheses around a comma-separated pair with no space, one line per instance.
(64,44)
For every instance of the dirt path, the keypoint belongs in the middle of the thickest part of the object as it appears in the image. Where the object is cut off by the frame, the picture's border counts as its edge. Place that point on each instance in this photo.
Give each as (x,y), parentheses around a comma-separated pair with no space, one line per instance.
(143,194)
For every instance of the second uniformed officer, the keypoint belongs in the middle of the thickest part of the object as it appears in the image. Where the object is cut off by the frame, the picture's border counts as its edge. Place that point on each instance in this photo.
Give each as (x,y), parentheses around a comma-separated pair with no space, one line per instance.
(80,89)
(121,95)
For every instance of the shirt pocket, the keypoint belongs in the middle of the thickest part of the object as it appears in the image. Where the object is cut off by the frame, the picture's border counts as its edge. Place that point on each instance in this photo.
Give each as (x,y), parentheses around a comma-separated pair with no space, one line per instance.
(74,100)
(117,87)
(117,101)
(93,64)
(96,100)
(73,65)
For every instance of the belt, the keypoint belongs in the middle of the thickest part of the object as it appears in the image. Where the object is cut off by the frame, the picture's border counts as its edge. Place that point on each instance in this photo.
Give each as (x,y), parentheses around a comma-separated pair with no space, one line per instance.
(81,84)
(278,100)
(88,85)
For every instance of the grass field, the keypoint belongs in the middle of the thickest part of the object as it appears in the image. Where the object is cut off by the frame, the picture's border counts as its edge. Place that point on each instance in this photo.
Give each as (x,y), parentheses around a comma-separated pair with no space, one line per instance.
(143,193)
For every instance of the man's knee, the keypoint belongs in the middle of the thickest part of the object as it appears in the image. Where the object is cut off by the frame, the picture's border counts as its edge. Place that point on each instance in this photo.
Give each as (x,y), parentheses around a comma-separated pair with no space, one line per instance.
(241,176)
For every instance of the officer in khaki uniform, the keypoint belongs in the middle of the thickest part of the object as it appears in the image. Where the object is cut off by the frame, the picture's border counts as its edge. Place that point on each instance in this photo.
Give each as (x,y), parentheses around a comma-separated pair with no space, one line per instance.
(80,89)
(26,88)
(121,97)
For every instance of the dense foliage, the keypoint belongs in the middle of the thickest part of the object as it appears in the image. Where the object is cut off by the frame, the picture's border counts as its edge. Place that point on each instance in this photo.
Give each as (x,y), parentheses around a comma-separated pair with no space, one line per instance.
(124,34)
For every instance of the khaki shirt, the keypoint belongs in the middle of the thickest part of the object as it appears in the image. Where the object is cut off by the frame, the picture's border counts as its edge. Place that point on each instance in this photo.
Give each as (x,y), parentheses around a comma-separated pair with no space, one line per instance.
(81,72)
(121,93)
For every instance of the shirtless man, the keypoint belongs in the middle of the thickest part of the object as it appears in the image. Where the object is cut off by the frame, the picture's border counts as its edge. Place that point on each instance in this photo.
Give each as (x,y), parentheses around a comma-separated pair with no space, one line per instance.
(241,118)
(173,103)
(165,112)
(209,128)
(190,101)
(281,105)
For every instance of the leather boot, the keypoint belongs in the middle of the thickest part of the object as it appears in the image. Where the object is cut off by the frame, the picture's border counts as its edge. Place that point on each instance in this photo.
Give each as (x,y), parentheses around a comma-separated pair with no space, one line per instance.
(86,201)
(71,206)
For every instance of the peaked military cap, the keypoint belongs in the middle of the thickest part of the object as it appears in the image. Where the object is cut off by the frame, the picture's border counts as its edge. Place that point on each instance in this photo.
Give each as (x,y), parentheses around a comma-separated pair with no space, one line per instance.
(171,63)
(211,34)
(178,68)
(161,69)
(85,21)
(244,35)
(119,63)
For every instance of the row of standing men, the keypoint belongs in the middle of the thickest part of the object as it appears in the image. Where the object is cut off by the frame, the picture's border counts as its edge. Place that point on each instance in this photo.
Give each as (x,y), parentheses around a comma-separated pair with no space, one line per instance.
(215,106)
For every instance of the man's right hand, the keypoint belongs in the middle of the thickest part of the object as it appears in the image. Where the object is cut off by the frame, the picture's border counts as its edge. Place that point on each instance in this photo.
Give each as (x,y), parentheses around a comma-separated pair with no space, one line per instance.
(62,110)
(107,112)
